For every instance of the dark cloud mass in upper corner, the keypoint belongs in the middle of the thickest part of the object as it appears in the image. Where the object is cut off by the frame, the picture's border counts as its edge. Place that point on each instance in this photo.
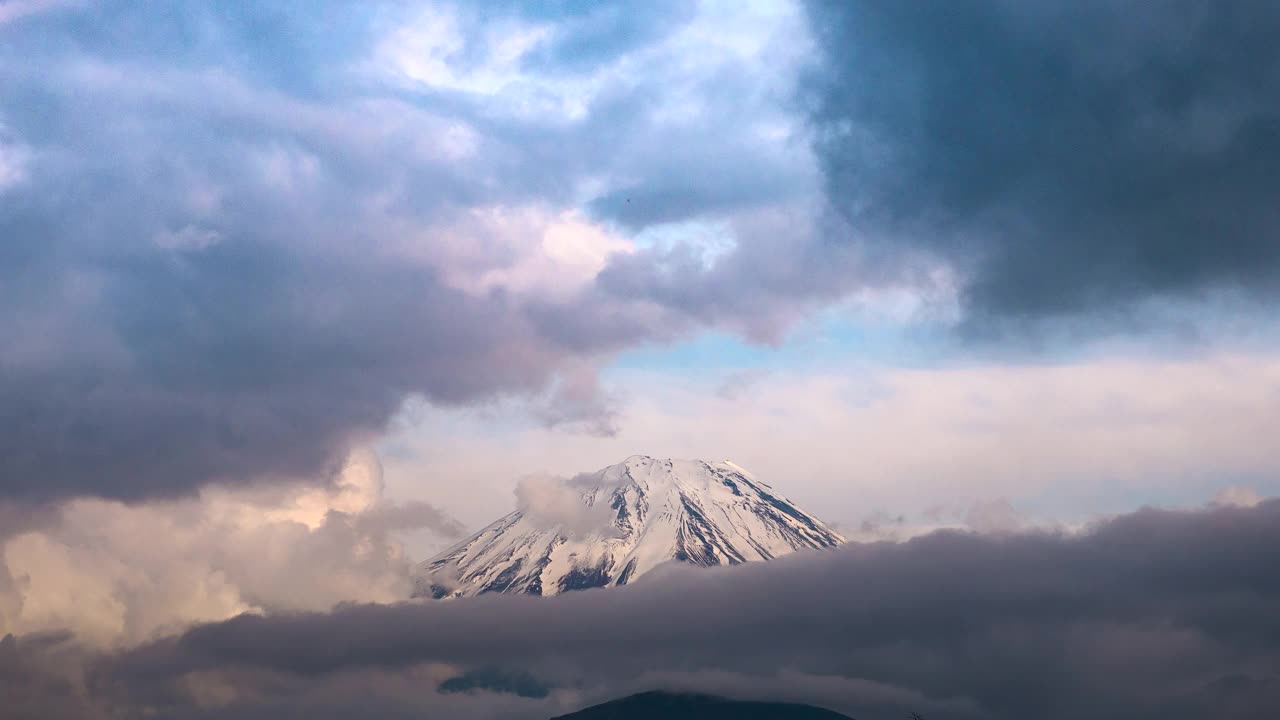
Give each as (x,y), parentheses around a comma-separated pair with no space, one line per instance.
(1172,615)
(1073,158)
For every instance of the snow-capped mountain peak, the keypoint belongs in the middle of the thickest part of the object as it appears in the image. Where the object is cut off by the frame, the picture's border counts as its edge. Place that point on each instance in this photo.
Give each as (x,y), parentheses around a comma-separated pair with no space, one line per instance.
(609,527)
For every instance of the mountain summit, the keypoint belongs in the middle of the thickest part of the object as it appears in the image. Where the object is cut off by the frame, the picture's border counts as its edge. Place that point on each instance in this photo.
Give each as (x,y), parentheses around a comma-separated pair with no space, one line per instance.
(621,522)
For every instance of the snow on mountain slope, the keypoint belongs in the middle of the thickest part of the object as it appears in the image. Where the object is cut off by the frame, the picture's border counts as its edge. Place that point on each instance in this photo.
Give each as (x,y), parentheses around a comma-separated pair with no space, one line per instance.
(639,514)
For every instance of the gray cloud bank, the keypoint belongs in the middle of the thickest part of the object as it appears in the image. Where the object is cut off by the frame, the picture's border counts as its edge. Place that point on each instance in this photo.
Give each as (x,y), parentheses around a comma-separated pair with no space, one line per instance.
(1153,614)
(1070,158)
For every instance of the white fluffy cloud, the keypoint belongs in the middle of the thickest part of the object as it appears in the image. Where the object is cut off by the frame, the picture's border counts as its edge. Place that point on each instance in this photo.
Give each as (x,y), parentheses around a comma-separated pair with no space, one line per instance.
(554,502)
(526,251)
(119,574)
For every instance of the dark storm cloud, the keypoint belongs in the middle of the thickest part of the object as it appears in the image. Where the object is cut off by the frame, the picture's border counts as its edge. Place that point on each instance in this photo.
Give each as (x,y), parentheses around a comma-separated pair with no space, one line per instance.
(235,365)
(225,243)
(1154,614)
(34,678)
(1073,158)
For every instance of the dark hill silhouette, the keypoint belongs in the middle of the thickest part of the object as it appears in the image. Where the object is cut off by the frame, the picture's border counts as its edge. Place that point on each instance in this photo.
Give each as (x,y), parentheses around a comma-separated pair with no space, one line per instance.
(681,706)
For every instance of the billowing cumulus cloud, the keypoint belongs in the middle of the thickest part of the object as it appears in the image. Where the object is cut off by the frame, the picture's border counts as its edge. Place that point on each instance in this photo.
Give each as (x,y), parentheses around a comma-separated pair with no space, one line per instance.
(1154,614)
(118,574)
(1070,158)
(238,238)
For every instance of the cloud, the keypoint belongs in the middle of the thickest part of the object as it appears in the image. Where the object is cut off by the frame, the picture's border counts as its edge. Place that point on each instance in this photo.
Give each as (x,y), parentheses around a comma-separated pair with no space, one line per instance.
(271,235)
(267,239)
(15,10)
(13,162)
(1075,160)
(993,516)
(189,237)
(738,384)
(781,266)
(559,503)
(118,574)
(847,438)
(1238,496)
(39,677)
(137,371)
(261,338)
(577,401)
(1152,614)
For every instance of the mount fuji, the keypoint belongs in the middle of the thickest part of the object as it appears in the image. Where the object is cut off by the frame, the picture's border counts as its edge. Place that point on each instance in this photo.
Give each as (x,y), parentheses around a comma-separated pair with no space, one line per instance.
(626,520)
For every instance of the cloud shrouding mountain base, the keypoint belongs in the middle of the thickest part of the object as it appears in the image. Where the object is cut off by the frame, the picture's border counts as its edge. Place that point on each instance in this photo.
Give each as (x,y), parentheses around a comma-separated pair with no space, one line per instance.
(1152,614)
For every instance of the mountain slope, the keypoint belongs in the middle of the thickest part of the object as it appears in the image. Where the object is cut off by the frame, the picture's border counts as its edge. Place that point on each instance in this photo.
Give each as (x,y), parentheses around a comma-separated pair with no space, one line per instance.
(648,512)
(677,706)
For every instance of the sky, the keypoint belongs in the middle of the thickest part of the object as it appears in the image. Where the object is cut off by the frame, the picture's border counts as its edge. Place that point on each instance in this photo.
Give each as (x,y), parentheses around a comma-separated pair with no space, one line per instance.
(295,294)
